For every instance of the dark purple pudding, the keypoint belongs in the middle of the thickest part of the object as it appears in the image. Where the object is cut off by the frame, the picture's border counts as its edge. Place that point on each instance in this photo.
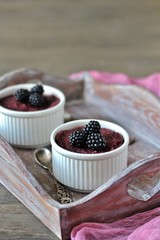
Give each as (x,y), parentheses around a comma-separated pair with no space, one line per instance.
(112,139)
(26,100)
(11,103)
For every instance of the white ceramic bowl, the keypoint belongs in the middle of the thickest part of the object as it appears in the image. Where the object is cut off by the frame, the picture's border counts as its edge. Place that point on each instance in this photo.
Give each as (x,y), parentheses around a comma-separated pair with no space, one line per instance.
(86,172)
(30,129)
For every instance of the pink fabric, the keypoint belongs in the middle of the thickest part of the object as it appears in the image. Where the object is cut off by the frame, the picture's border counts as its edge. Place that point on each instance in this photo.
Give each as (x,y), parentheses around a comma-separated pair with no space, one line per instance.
(151,82)
(141,226)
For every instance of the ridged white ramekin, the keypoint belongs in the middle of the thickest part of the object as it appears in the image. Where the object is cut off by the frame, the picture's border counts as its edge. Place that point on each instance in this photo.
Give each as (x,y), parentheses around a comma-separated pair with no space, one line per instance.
(30,129)
(86,172)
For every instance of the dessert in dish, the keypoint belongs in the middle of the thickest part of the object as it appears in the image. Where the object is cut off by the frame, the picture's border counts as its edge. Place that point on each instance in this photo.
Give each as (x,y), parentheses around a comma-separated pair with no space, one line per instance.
(30,123)
(29,100)
(98,159)
(89,139)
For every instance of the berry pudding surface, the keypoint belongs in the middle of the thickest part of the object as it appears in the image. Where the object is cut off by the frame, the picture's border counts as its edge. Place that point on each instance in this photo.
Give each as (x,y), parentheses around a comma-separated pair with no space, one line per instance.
(29,100)
(90,139)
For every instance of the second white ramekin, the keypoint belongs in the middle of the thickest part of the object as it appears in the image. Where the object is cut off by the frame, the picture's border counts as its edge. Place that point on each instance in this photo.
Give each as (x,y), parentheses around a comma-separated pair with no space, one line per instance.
(30,129)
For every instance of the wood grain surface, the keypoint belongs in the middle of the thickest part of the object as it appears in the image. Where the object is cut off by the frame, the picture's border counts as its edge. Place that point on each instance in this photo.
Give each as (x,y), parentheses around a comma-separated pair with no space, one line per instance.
(62,37)
(108,203)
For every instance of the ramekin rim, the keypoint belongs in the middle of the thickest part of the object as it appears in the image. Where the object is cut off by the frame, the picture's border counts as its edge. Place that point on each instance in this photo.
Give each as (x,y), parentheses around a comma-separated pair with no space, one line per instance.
(31,114)
(85,156)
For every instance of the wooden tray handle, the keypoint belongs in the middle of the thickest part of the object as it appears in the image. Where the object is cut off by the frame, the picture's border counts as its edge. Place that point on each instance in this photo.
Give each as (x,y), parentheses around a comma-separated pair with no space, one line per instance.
(71,91)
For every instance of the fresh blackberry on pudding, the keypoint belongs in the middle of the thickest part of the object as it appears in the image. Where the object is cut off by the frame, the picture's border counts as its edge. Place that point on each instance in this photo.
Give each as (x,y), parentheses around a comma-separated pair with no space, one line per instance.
(36,100)
(77,139)
(89,137)
(92,127)
(96,142)
(22,95)
(37,89)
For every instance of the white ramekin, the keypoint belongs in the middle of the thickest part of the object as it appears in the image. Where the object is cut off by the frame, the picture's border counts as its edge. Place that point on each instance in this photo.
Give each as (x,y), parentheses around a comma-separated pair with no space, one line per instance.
(86,172)
(30,129)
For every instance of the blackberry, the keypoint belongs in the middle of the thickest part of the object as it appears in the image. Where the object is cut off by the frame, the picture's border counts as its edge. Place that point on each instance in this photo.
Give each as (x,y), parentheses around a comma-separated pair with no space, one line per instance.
(22,95)
(77,139)
(37,88)
(92,127)
(36,100)
(95,141)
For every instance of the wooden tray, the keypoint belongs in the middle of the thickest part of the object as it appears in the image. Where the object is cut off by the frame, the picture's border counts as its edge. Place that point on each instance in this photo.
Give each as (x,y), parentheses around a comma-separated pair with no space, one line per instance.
(132,107)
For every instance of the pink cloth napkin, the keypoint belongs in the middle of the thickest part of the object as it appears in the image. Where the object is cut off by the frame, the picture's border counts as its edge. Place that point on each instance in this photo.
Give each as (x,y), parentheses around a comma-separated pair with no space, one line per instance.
(141,226)
(151,82)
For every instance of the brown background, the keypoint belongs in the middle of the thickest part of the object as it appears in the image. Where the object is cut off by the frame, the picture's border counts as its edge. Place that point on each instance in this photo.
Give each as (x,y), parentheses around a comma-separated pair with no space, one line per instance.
(62,37)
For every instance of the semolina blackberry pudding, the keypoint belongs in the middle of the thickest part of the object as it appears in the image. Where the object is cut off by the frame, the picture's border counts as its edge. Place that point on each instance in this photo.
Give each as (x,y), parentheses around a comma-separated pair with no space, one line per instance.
(89,139)
(88,152)
(32,99)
